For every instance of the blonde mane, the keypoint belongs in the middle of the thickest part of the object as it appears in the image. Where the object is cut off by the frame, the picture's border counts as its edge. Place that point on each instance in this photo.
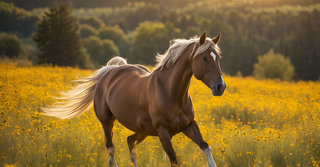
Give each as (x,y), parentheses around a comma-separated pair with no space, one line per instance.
(177,48)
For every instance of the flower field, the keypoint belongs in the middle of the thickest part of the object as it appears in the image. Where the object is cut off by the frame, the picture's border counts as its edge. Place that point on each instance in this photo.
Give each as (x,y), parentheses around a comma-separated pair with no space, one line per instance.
(258,123)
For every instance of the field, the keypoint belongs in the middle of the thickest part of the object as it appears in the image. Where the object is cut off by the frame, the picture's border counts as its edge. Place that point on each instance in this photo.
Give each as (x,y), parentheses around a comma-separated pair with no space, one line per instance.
(255,123)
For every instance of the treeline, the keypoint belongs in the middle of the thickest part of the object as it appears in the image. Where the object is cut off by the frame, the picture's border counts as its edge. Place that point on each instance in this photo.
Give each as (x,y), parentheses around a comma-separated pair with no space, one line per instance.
(30,4)
(138,31)
(16,20)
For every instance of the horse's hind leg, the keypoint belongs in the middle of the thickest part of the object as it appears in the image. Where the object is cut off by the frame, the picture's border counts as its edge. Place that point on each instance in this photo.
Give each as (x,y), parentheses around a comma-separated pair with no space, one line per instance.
(133,140)
(107,120)
(107,127)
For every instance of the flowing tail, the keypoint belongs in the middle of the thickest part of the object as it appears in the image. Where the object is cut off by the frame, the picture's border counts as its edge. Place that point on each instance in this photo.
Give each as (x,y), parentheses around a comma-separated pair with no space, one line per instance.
(79,99)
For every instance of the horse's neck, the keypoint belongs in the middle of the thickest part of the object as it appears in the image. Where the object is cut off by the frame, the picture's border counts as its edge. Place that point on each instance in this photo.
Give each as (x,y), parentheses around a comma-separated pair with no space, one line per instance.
(177,77)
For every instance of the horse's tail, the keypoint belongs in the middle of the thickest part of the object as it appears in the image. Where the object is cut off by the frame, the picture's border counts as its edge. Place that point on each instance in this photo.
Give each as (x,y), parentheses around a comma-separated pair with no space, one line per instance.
(79,99)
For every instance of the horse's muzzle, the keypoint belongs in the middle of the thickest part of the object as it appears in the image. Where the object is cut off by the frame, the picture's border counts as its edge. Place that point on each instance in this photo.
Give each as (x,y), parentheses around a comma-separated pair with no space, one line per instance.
(218,89)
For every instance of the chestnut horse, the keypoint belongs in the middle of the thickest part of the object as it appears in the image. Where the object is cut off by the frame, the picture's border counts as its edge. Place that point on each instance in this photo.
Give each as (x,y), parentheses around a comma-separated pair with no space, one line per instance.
(154,103)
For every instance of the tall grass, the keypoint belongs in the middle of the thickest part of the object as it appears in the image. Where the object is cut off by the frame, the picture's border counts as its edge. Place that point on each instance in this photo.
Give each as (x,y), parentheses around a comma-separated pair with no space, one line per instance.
(19,62)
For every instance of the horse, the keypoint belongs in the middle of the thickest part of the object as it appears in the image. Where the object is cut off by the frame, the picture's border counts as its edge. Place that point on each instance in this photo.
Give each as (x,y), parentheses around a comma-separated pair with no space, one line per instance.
(149,103)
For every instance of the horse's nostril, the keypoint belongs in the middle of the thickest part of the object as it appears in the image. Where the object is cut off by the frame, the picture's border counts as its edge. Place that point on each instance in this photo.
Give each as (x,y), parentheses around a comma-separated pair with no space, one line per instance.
(219,87)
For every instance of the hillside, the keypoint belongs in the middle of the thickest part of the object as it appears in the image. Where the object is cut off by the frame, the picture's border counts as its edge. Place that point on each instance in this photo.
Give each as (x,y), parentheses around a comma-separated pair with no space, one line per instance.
(248,28)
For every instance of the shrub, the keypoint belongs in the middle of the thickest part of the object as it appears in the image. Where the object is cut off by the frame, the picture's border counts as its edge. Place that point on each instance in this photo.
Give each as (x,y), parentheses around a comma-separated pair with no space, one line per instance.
(10,45)
(87,31)
(117,35)
(273,65)
(100,51)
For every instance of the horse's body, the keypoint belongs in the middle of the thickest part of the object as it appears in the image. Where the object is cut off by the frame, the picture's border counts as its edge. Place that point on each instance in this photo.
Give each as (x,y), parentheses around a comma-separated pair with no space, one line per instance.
(150,103)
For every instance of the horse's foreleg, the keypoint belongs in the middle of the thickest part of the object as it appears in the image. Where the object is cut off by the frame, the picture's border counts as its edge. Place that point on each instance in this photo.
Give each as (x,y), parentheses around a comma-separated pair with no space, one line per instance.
(133,140)
(193,132)
(165,139)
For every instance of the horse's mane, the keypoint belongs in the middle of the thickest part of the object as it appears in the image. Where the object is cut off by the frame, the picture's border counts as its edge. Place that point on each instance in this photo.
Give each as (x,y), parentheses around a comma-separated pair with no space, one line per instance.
(178,46)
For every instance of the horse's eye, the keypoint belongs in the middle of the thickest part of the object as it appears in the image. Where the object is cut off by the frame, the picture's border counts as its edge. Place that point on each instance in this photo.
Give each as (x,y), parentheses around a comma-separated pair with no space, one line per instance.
(204,58)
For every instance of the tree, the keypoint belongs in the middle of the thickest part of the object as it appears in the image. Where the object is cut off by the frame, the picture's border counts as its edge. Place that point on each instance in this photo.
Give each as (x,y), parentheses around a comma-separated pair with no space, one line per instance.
(117,35)
(307,37)
(16,20)
(10,45)
(273,65)
(87,31)
(92,21)
(151,38)
(142,12)
(100,50)
(186,21)
(191,31)
(121,22)
(58,39)
(242,56)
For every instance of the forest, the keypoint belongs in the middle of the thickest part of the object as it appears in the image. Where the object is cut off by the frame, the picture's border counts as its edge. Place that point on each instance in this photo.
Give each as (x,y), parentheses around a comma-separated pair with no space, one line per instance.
(139,30)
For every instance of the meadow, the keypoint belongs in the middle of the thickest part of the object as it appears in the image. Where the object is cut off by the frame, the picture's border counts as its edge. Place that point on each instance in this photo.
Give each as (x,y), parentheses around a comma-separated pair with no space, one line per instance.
(258,123)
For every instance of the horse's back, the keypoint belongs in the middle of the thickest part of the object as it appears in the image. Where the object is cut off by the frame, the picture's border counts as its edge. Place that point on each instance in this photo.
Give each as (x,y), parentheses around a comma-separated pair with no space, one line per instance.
(124,90)
(123,78)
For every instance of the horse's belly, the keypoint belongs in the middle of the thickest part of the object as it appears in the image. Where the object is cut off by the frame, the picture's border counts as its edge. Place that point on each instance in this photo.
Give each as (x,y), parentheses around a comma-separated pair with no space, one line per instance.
(137,121)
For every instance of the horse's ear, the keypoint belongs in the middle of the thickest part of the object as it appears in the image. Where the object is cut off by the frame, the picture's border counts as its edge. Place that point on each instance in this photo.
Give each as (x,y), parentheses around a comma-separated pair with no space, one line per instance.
(202,38)
(216,39)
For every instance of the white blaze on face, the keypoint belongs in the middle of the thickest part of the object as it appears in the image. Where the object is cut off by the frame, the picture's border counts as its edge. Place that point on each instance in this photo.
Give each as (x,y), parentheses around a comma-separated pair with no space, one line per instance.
(213,55)
(222,80)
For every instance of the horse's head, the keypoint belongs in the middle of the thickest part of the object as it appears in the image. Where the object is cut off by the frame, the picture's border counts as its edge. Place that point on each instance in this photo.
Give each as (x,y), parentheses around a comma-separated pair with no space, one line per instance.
(205,64)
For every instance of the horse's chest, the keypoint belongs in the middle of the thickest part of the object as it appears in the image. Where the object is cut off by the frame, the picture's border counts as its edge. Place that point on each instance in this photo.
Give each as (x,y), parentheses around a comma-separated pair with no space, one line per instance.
(178,124)
(175,123)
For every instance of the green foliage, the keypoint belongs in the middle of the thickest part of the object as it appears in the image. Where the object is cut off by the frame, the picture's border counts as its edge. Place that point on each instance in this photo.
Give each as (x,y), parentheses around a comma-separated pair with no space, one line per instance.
(248,28)
(152,37)
(99,50)
(12,48)
(215,26)
(121,22)
(15,19)
(58,39)
(10,45)
(186,21)
(273,65)
(92,21)
(191,31)
(143,12)
(87,31)
(117,35)
(242,55)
